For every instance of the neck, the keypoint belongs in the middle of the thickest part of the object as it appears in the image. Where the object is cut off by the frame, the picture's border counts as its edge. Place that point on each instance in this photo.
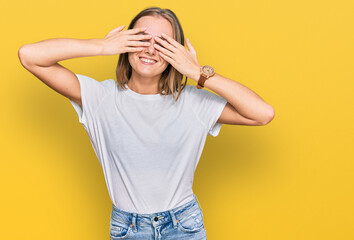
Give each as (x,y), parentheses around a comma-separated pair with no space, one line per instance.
(144,85)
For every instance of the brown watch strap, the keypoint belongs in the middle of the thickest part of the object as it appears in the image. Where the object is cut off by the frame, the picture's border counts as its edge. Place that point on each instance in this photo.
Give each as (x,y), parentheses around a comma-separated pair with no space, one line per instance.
(201,81)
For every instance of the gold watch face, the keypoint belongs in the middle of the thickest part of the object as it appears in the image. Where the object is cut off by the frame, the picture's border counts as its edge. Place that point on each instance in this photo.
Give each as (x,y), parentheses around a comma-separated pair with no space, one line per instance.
(208,69)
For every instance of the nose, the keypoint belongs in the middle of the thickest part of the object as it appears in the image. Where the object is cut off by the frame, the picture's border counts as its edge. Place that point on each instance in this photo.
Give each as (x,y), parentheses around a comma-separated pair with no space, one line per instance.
(151,49)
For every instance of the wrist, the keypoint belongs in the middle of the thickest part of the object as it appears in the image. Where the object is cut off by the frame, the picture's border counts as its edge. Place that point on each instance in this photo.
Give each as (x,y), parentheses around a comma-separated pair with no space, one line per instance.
(197,73)
(98,44)
(206,72)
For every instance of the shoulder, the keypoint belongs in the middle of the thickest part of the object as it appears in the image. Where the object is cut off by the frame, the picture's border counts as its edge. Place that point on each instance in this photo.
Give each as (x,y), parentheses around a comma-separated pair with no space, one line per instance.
(90,80)
(109,83)
(90,84)
(193,91)
(188,89)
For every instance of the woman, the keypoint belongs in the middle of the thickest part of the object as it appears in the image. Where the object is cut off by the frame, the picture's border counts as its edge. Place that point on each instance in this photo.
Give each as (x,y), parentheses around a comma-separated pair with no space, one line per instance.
(148,129)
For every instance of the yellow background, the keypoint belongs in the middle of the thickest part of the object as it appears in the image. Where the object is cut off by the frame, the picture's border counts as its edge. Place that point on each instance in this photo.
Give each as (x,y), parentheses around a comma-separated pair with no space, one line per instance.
(290,179)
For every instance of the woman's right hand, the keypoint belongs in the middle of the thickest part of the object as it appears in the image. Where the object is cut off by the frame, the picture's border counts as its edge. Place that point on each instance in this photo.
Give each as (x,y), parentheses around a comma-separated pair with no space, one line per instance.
(118,41)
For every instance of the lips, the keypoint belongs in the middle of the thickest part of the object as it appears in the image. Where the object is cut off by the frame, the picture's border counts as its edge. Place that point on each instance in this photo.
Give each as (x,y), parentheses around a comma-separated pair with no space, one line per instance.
(147,58)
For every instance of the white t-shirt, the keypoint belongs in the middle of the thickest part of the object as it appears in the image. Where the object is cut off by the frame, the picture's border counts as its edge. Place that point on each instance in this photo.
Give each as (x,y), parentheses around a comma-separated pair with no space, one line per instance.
(147,144)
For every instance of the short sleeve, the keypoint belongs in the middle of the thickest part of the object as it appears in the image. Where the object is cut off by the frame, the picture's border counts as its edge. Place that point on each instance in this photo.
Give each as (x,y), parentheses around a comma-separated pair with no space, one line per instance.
(92,93)
(208,108)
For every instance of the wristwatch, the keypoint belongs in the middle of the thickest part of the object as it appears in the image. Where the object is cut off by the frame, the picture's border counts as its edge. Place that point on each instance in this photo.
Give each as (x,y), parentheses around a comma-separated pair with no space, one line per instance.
(206,72)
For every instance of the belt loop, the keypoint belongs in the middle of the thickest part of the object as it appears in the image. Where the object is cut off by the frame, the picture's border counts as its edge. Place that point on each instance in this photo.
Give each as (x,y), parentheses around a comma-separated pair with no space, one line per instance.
(174,220)
(134,222)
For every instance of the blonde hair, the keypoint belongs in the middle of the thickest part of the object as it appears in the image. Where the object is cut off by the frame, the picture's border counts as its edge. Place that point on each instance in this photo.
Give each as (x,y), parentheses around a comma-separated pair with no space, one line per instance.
(171,80)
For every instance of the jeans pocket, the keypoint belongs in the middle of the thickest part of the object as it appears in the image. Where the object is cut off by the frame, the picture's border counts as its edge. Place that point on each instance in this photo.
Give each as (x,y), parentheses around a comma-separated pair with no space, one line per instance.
(119,229)
(191,222)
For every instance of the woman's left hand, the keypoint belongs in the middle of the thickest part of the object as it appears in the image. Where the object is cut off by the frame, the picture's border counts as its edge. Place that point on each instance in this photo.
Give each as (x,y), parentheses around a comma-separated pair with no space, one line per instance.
(183,60)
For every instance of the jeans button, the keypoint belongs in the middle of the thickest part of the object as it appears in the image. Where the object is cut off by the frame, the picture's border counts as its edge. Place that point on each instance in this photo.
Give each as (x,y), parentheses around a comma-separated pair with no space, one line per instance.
(156,219)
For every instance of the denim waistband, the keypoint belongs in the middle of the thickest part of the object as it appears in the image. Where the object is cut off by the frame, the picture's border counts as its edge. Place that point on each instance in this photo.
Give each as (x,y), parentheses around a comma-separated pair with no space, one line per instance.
(157,218)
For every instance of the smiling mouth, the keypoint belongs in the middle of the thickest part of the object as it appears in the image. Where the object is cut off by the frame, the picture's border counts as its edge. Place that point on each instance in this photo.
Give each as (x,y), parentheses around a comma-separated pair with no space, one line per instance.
(147,61)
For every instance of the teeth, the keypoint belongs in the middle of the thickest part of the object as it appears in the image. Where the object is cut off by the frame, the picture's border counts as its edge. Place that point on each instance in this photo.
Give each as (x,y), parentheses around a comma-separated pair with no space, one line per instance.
(147,60)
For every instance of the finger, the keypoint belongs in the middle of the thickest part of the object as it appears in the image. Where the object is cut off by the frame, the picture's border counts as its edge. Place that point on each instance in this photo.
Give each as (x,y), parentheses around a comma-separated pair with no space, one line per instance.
(136,30)
(164,50)
(119,28)
(139,36)
(191,48)
(134,49)
(171,40)
(138,43)
(167,58)
(165,44)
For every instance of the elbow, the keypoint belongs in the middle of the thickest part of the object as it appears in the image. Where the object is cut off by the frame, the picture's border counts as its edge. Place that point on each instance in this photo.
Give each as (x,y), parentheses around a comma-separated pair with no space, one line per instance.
(23,56)
(269,117)
(21,52)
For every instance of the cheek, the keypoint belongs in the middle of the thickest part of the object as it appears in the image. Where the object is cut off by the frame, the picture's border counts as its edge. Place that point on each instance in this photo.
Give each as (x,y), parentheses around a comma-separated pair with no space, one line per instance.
(130,58)
(163,61)
(133,58)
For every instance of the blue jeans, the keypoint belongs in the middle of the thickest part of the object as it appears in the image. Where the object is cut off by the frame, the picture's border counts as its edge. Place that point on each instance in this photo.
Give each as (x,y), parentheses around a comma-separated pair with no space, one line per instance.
(183,222)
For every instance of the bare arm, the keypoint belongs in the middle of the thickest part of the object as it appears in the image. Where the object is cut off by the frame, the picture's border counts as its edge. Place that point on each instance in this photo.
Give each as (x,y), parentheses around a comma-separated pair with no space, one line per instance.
(41,59)
(244,107)
(48,52)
